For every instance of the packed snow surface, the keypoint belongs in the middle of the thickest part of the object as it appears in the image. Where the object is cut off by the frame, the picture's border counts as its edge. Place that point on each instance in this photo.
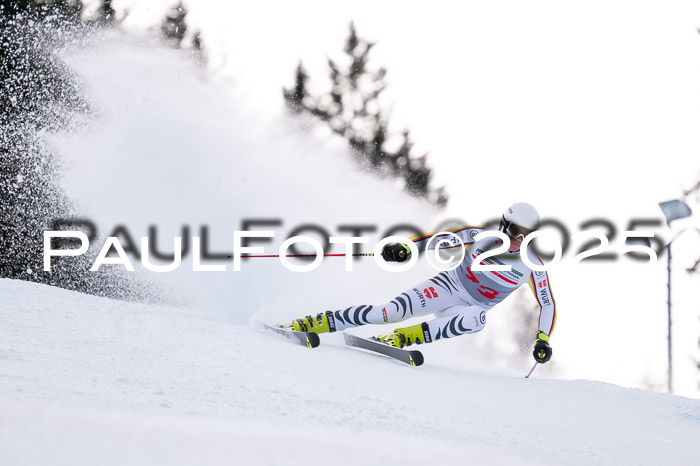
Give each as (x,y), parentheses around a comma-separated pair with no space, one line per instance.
(86,380)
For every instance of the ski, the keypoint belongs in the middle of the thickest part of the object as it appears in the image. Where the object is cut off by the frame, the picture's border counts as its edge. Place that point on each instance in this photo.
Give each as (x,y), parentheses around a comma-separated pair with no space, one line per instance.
(308,339)
(411,357)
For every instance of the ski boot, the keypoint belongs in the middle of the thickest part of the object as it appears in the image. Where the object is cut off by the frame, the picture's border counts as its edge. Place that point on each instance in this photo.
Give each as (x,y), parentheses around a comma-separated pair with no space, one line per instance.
(406,336)
(322,323)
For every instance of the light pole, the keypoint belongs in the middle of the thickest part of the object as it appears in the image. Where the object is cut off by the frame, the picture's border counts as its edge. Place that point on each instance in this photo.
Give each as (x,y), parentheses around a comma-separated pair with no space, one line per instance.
(672,210)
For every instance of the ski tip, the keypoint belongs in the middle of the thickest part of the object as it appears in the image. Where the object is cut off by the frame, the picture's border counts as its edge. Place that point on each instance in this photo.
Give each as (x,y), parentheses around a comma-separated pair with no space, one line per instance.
(415,358)
(312,340)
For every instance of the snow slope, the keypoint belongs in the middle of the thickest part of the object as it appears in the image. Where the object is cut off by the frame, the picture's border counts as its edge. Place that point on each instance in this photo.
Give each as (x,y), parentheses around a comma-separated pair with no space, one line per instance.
(85,380)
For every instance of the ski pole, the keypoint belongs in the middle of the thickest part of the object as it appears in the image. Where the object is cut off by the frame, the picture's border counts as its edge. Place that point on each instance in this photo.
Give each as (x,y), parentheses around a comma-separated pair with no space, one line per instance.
(531,371)
(309,255)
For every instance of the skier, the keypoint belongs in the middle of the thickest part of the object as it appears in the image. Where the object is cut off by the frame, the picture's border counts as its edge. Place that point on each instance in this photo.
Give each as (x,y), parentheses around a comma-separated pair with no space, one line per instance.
(459,298)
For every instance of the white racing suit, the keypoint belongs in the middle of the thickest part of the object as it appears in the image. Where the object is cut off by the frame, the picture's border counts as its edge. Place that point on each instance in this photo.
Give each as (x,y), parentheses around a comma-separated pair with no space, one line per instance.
(459,298)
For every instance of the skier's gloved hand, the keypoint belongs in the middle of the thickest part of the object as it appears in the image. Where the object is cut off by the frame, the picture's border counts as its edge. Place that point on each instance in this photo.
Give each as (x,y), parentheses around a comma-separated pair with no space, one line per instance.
(542,351)
(396,252)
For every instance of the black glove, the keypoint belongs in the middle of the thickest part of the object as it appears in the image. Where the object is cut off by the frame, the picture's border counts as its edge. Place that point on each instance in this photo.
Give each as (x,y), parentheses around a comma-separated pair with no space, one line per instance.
(542,351)
(396,252)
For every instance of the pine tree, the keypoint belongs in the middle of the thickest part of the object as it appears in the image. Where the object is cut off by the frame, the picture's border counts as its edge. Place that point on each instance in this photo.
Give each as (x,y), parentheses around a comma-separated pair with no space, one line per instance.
(174,26)
(295,97)
(106,13)
(351,109)
(38,93)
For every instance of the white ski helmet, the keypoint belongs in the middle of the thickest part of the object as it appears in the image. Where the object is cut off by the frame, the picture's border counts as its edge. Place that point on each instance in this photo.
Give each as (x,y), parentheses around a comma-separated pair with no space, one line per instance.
(520,219)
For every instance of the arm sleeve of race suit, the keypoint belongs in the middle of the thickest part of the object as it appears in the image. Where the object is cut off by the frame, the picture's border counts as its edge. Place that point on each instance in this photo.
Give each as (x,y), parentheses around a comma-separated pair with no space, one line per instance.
(465,234)
(541,288)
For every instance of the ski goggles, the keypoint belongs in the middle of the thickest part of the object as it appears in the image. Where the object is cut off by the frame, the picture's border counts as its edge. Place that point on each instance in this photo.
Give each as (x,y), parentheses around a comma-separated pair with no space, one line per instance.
(516,231)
